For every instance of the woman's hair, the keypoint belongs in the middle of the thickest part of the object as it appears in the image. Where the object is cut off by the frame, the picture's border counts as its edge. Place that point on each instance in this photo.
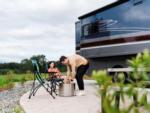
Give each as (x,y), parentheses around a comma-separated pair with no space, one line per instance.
(51,63)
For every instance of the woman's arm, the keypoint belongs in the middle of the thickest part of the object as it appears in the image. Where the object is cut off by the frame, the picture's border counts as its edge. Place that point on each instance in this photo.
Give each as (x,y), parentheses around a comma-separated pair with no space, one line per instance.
(58,72)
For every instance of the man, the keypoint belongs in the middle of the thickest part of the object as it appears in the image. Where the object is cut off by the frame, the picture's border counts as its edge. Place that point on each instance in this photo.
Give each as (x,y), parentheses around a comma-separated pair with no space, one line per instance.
(76,68)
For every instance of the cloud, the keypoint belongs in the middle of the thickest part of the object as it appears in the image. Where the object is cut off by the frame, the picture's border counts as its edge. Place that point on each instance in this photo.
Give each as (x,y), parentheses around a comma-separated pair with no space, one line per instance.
(138,13)
(29,27)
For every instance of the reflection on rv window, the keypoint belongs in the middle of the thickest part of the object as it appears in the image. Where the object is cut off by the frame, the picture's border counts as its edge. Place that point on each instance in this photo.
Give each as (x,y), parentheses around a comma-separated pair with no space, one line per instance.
(97,28)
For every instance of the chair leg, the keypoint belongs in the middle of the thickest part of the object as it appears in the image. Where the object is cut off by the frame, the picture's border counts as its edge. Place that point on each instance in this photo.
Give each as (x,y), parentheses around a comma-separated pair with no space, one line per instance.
(34,90)
(49,86)
(50,92)
(54,90)
(53,86)
(31,91)
(30,94)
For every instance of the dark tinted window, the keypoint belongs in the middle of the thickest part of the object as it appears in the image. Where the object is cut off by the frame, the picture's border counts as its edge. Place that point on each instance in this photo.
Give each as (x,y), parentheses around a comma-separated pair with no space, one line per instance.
(86,30)
(132,16)
(97,27)
(78,32)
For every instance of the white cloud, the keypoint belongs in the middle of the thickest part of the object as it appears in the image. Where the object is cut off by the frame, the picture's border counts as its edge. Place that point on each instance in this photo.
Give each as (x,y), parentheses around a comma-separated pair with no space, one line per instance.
(29,27)
(140,13)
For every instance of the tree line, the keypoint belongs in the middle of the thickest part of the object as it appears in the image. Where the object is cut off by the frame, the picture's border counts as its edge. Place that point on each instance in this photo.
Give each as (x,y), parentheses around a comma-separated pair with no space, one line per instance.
(25,66)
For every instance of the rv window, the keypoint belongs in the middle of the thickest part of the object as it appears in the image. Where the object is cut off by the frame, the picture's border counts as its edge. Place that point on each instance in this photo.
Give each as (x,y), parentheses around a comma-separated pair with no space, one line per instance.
(94,28)
(86,30)
(91,29)
(102,25)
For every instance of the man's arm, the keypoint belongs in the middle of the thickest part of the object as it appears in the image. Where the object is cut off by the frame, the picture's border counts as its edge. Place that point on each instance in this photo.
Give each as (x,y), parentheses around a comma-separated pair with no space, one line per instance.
(68,71)
(73,72)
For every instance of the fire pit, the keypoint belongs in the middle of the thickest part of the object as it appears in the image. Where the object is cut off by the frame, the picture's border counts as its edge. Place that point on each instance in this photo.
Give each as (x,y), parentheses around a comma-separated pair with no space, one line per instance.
(67,89)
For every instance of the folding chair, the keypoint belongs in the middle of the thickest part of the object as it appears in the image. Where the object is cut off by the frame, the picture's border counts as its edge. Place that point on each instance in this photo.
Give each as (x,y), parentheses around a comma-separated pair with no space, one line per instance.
(54,82)
(41,82)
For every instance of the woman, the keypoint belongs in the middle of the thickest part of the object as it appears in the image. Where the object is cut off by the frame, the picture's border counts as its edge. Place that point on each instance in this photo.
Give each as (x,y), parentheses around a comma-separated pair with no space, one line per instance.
(54,70)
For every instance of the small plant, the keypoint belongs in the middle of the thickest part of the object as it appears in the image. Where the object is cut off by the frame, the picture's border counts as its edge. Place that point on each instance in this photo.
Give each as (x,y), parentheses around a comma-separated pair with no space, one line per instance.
(18,109)
(141,65)
(10,72)
(112,93)
(102,78)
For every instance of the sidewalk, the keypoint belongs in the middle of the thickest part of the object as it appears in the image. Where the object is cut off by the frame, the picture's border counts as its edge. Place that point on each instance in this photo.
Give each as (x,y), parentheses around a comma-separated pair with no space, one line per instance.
(43,102)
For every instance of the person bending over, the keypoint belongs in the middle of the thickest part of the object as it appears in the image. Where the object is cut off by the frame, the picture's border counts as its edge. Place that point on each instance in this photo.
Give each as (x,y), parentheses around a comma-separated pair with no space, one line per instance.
(76,68)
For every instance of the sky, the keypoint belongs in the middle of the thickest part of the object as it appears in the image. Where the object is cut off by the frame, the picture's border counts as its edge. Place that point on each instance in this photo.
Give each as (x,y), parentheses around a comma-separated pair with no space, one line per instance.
(33,27)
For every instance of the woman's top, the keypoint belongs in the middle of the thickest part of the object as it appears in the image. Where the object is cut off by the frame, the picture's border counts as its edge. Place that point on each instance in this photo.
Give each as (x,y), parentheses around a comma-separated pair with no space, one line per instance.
(55,71)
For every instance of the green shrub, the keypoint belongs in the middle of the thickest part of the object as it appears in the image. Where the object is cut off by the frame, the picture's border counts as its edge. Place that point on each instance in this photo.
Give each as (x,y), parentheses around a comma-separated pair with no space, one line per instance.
(109,90)
(10,72)
(18,109)
(23,79)
(6,82)
(3,71)
(140,62)
(140,65)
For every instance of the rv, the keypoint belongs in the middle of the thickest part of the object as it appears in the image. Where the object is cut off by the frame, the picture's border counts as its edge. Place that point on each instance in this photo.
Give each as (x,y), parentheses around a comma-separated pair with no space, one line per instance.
(114,33)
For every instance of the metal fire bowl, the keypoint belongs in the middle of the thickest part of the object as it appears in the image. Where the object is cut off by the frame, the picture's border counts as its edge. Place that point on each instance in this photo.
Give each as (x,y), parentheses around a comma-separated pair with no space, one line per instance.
(66,90)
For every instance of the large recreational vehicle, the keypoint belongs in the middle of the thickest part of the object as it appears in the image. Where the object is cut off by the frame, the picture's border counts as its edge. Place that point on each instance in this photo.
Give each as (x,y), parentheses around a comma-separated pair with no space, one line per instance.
(114,33)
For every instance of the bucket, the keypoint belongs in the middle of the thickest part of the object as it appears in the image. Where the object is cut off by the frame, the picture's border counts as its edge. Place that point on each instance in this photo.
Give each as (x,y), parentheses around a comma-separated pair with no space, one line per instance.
(66,90)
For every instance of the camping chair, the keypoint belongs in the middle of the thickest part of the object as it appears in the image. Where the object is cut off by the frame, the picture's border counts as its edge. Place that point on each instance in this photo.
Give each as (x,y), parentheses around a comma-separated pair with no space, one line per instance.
(54,82)
(41,82)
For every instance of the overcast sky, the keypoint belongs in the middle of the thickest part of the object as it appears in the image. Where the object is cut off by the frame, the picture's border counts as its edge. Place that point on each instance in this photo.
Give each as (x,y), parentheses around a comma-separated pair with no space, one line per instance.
(31,27)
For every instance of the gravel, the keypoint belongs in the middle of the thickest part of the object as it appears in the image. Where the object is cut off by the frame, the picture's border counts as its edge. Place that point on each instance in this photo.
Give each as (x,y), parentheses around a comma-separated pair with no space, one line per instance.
(9,99)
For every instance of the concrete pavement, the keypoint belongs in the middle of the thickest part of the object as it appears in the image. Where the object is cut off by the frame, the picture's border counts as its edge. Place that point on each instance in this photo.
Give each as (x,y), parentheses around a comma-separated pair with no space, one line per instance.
(43,102)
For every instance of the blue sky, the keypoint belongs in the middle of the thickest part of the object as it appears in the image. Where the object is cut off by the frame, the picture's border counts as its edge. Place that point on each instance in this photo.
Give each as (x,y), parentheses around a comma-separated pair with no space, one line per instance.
(31,27)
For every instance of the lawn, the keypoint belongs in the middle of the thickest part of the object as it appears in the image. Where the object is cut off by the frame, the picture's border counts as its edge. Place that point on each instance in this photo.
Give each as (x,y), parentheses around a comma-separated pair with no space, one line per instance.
(8,81)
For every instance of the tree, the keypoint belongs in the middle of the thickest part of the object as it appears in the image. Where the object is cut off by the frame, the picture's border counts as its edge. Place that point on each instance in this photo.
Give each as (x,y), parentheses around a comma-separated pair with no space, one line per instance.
(41,59)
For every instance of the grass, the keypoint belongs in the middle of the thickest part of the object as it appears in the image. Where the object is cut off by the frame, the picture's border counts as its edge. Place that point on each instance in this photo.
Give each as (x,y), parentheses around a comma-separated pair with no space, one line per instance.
(18,109)
(22,77)
(7,81)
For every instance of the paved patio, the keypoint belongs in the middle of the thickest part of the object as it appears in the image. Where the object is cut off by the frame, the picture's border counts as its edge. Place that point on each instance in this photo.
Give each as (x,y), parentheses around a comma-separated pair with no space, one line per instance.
(43,103)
